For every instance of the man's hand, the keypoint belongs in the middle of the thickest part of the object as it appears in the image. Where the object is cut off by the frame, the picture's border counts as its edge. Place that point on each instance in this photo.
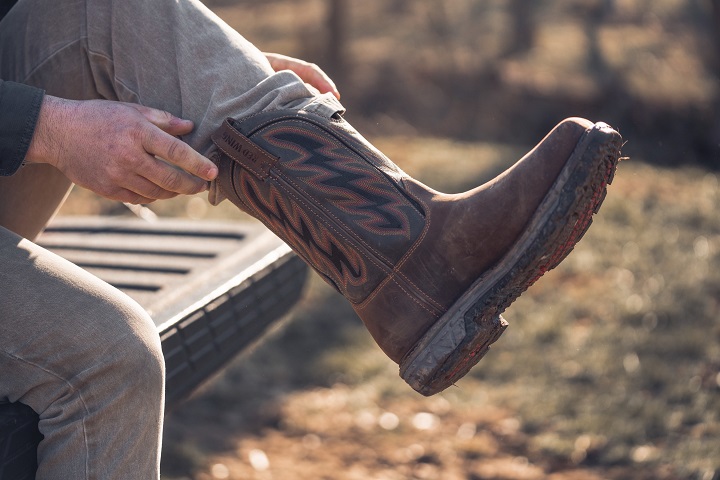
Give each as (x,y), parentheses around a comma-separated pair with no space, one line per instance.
(111,148)
(308,72)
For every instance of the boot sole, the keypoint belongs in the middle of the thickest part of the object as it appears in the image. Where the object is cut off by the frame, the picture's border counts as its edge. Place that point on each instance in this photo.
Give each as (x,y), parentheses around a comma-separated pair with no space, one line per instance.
(461,337)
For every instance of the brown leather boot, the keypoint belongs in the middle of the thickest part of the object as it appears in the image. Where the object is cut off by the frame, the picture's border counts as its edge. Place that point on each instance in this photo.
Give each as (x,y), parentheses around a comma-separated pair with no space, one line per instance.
(428,273)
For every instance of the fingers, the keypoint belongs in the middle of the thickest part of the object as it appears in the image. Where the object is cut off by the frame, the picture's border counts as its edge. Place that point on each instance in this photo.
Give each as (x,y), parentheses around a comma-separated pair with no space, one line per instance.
(149,189)
(136,191)
(318,79)
(179,168)
(308,72)
(164,120)
(159,181)
(131,187)
(165,180)
(163,144)
(178,153)
(128,196)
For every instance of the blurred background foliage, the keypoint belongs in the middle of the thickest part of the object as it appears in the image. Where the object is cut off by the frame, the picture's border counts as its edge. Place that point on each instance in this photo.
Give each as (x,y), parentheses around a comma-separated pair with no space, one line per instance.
(506,70)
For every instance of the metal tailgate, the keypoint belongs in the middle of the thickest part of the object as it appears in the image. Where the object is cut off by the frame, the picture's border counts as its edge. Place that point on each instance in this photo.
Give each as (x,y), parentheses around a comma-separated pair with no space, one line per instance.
(212,288)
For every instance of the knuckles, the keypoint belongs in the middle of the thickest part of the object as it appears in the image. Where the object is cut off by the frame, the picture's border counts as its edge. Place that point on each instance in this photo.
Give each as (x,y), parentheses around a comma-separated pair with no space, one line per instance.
(173,151)
(172,180)
(159,193)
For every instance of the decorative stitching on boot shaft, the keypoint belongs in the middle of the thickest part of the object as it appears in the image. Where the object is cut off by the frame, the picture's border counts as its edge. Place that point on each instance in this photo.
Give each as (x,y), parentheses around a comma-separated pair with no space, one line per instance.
(316,190)
(339,176)
(343,184)
(326,248)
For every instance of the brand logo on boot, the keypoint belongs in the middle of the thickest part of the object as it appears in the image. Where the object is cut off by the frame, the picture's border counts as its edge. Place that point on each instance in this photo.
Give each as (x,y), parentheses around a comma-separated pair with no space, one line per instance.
(241,149)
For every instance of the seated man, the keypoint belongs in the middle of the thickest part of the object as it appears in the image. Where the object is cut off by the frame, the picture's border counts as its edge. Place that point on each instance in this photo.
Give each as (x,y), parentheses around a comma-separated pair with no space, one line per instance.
(87,87)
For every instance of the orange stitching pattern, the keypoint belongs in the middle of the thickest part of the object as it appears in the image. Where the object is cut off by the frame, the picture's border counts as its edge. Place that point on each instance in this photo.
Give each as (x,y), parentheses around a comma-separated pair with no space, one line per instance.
(391,278)
(403,260)
(326,211)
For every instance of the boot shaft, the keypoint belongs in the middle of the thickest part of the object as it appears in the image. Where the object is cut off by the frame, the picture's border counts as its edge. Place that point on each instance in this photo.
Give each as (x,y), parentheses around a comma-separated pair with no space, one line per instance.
(325,191)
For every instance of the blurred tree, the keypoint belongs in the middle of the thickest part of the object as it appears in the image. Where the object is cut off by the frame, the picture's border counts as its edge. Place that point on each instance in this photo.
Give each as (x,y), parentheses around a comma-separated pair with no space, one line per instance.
(397,7)
(716,20)
(337,28)
(714,139)
(521,35)
(593,17)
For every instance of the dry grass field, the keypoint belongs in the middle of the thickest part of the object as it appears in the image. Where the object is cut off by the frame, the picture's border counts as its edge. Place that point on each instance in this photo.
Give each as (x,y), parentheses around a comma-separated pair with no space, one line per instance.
(610,368)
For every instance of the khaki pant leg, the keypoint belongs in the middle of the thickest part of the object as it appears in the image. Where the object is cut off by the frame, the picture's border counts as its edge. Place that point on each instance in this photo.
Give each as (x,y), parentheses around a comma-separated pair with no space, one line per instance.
(87,359)
(30,198)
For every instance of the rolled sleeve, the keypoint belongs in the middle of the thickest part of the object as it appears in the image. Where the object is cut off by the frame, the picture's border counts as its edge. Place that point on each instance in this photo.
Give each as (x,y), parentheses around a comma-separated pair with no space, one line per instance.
(19,110)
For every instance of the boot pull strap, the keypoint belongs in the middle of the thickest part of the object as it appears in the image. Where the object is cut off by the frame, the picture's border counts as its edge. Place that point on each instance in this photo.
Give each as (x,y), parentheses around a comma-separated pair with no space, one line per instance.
(241,149)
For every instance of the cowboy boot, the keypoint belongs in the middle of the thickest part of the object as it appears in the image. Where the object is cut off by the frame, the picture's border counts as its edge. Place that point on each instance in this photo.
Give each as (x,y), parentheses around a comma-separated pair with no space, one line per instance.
(428,273)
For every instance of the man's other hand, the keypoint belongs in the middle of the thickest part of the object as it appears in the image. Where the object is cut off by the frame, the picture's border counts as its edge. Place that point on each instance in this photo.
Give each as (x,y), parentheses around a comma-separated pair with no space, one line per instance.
(308,72)
(120,151)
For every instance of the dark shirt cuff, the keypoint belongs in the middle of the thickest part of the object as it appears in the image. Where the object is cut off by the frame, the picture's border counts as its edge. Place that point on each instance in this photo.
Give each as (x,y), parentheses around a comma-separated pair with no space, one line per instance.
(19,110)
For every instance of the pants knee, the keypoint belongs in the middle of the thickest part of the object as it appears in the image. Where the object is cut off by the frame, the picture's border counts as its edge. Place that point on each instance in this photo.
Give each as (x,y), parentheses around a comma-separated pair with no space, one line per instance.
(140,359)
(129,363)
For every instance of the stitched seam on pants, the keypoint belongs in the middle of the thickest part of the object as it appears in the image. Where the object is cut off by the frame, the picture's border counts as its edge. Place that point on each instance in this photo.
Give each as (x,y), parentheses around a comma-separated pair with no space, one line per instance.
(115,79)
(49,57)
(73,389)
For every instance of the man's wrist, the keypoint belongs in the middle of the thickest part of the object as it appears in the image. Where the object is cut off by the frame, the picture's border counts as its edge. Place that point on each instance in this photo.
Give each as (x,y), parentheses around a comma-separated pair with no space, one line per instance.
(45,144)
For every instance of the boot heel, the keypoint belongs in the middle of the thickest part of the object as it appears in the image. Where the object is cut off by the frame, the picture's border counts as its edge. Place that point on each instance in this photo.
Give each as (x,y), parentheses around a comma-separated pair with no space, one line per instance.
(455,344)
